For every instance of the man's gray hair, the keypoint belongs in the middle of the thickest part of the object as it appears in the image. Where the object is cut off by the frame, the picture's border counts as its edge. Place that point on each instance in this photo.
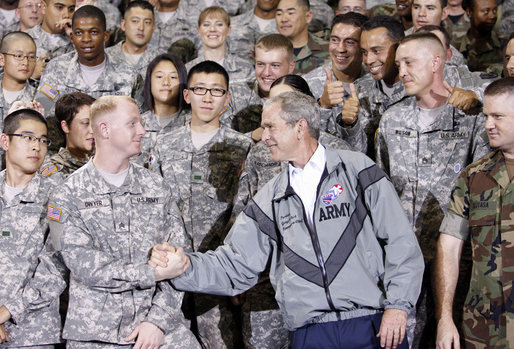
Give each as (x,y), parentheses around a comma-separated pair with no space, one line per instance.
(295,106)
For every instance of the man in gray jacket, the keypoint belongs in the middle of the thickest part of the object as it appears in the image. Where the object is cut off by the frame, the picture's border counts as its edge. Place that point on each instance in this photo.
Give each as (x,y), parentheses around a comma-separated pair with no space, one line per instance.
(342,252)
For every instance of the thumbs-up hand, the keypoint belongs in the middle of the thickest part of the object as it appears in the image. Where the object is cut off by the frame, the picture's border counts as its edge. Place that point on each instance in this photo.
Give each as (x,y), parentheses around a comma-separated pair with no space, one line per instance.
(350,107)
(333,92)
(460,98)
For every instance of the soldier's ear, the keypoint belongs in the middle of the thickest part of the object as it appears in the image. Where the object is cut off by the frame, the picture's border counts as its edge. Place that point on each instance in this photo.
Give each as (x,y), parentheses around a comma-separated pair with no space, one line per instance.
(64,126)
(106,36)
(292,64)
(123,25)
(4,141)
(308,16)
(2,60)
(186,96)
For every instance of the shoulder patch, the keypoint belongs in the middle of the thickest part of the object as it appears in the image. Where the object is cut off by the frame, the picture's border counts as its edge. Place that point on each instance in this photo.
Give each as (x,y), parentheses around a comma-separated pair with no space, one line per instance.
(54,213)
(49,91)
(48,170)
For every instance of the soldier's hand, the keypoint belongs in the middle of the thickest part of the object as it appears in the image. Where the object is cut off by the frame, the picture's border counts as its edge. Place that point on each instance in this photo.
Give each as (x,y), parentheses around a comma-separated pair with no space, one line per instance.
(460,98)
(392,328)
(158,255)
(333,92)
(177,264)
(447,334)
(40,66)
(3,335)
(350,107)
(148,336)
(5,315)
(65,24)
(37,107)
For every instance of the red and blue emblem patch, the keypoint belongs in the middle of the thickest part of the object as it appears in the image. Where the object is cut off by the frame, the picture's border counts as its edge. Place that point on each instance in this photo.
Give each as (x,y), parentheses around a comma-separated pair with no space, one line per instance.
(332,194)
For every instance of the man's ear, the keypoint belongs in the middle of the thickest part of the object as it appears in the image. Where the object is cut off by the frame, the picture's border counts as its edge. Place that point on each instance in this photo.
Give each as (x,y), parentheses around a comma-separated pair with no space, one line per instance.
(4,141)
(65,127)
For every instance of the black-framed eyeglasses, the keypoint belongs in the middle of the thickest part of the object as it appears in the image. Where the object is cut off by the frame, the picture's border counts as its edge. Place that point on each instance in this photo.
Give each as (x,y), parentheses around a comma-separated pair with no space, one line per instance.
(201,91)
(31,139)
(31,6)
(20,56)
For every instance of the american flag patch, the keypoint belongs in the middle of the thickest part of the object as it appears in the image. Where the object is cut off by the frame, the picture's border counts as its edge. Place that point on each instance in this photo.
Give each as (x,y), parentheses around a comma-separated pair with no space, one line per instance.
(54,213)
(47,171)
(49,91)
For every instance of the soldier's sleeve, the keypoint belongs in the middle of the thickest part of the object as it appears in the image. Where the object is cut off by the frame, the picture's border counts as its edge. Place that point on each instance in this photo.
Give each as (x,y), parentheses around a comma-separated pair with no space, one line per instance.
(480,139)
(455,221)
(48,90)
(87,263)
(166,312)
(403,262)
(381,153)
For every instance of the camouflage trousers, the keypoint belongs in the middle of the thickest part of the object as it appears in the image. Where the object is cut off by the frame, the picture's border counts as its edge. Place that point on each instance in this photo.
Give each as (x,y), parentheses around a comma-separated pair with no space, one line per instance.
(263,326)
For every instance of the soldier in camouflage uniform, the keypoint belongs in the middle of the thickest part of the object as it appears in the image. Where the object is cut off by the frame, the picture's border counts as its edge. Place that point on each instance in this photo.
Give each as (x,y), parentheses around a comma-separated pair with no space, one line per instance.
(7,24)
(50,37)
(457,23)
(331,83)
(249,27)
(112,14)
(166,80)
(134,52)
(481,46)
(14,81)
(401,11)
(192,9)
(214,29)
(175,29)
(423,143)
(24,198)
(65,74)
(72,114)
(106,217)
(204,169)
(480,210)
(29,13)
(292,18)
(508,62)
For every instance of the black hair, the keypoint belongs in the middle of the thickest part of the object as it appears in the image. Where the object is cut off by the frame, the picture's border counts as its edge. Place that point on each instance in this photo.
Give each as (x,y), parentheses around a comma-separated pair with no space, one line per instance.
(351,18)
(208,67)
(295,81)
(395,30)
(89,11)
(500,87)
(68,106)
(14,36)
(145,5)
(12,121)
(182,77)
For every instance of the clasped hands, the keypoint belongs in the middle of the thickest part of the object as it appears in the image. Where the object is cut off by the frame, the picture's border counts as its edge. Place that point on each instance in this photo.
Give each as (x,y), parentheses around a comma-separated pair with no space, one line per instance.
(168,261)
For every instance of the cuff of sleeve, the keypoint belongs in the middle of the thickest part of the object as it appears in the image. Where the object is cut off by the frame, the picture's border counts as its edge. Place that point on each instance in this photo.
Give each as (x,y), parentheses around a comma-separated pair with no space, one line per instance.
(146,276)
(160,318)
(15,308)
(455,225)
(402,305)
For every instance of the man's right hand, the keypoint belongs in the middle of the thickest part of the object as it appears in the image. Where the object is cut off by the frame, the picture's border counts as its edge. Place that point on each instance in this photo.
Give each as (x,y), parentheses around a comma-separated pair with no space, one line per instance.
(350,107)
(168,261)
(447,335)
(333,92)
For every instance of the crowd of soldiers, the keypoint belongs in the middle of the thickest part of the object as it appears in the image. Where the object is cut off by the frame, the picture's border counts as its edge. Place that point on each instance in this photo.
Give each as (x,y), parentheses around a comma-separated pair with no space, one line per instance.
(127,124)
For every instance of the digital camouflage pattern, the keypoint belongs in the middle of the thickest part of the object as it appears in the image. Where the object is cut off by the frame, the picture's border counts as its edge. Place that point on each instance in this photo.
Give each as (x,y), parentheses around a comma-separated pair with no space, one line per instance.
(105,234)
(239,70)
(7,26)
(246,32)
(153,130)
(61,164)
(27,95)
(46,45)
(479,54)
(177,28)
(244,96)
(63,75)
(322,15)
(24,229)
(112,14)
(118,58)
(311,56)
(206,180)
(481,209)
(263,326)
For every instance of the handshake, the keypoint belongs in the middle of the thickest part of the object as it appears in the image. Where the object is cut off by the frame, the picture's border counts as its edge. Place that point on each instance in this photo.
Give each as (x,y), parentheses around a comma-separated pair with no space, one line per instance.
(168,261)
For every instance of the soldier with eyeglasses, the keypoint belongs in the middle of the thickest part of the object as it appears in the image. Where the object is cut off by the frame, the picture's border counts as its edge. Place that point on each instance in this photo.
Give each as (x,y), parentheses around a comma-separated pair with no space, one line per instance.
(202,161)
(29,13)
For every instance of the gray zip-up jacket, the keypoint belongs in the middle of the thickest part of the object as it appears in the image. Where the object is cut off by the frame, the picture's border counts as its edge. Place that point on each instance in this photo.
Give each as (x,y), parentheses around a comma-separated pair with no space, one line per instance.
(359,258)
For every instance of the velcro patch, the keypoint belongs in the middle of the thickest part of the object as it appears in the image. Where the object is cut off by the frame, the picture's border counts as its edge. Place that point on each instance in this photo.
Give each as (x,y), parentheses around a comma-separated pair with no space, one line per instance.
(54,213)
(49,91)
(48,170)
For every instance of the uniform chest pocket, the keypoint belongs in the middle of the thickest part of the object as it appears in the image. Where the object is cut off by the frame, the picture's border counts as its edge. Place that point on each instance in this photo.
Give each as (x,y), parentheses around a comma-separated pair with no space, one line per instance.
(482,218)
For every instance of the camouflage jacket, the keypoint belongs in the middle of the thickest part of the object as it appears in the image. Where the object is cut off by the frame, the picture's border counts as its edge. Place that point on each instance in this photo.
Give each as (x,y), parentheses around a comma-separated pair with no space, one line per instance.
(63,75)
(112,14)
(8,26)
(192,9)
(45,46)
(246,32)
(24,229)
(311,56)
(27,95)
(480,57)
(480,209)
(239,70)
(456,30)
(61,164)
(244,95)
(105,234)
(153,130)
(118,59)
(206,180)
(175,29)
(424,163)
